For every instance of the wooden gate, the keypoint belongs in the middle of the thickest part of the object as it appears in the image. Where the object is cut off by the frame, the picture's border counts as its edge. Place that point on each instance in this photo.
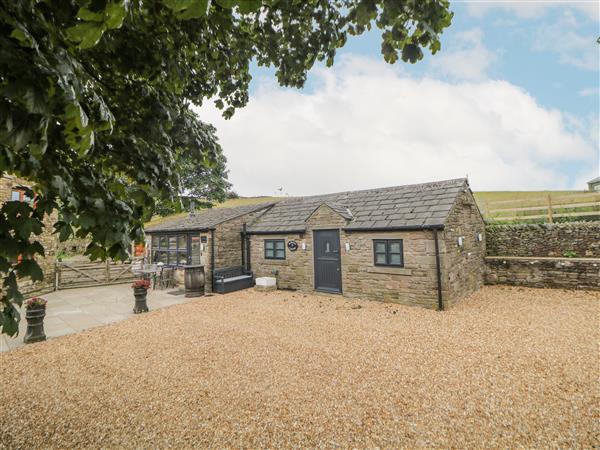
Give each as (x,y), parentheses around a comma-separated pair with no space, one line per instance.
(76,274)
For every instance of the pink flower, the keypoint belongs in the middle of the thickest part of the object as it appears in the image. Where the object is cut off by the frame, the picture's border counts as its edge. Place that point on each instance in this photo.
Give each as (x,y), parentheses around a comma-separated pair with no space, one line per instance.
(141,284)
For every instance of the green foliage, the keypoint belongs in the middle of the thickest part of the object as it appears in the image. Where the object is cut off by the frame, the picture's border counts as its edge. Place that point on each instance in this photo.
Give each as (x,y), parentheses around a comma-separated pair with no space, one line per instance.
(570,254)
(201,184)
(96,98)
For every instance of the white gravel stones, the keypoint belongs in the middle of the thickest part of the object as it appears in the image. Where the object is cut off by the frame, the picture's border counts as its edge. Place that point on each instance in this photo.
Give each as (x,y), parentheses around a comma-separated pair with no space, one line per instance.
(508,367)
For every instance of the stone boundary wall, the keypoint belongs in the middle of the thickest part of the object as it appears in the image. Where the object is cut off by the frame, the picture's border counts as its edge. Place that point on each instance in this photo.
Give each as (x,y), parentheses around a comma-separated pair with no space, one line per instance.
(566,273)
(554,240)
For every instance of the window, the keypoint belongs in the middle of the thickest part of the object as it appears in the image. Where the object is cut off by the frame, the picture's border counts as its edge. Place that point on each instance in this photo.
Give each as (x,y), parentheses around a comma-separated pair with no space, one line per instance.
(170,249)
(19,195)
(388,252)
(16,195)
(275,249)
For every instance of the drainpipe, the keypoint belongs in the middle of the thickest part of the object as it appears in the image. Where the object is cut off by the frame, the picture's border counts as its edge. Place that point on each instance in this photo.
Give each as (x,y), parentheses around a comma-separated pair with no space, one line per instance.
(212,260)
(439,270)
(243,236)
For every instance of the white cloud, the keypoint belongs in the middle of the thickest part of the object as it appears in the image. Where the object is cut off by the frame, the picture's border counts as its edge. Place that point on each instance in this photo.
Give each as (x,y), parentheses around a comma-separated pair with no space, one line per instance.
(367,125)
(466,58)
(532,8)
(589,92)
(573,48)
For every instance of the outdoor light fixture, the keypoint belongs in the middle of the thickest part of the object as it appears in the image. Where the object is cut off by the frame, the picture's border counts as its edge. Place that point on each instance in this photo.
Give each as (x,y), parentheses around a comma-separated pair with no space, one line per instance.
(461,241)
(479,237)
(303,245)
(347,246)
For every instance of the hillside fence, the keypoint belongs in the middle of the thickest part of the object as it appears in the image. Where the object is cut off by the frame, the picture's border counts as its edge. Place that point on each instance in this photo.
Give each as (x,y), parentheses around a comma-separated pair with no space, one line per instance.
(546,208)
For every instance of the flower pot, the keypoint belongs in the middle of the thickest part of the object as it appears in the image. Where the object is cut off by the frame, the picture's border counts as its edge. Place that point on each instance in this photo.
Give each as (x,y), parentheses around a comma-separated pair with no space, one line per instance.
(35,325)
(140,300)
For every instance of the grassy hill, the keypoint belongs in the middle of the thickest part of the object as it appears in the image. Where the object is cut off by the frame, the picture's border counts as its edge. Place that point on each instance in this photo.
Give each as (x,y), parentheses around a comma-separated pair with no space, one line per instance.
(493,204)
(226,204)
(524,206)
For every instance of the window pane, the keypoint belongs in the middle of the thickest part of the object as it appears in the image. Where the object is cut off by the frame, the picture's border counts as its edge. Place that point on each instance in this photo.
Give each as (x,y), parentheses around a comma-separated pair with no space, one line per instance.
(394,247)
(182,241)
(162,257)
(172,242)
(380,247)
(269,253)
(15,196)
(395,259)
(164,242)
(154,241)
(280,253)
(269,245)
(182,258)
(195,250)
(380,258)
(155,257)
(280,245)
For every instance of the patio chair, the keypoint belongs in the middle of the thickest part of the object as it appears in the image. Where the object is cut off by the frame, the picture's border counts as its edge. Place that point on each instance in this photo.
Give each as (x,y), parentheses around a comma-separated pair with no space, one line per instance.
(166,277)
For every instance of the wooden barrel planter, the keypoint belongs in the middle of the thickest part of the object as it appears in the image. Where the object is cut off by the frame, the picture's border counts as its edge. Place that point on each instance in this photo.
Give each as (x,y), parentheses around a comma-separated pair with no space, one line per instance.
(194,279)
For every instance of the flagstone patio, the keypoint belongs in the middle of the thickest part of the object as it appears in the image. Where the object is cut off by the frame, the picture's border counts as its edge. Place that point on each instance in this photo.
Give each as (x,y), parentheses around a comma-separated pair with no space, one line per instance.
(73,310)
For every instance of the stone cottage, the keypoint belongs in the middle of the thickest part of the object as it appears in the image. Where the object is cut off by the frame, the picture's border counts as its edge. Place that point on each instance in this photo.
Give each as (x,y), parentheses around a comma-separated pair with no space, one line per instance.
(12,189)
(211,237)
(420,244)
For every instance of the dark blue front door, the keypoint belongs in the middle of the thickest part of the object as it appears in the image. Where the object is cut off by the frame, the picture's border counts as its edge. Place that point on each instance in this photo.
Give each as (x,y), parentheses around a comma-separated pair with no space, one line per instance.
(328,274)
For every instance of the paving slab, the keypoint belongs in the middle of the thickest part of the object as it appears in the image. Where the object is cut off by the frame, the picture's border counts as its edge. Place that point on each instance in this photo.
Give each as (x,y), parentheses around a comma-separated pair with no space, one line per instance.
(74,310)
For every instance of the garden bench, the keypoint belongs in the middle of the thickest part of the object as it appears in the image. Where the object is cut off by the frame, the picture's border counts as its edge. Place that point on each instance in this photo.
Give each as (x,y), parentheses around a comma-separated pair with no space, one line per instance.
(232,279)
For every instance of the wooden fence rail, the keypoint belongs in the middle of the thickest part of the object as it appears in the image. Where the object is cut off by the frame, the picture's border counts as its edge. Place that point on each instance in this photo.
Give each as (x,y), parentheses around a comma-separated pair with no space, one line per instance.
(76,274)
(549,207)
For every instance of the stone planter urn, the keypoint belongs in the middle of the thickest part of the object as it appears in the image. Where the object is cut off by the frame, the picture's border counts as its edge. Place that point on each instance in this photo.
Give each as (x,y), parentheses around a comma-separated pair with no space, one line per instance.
(35,311)
(140,291)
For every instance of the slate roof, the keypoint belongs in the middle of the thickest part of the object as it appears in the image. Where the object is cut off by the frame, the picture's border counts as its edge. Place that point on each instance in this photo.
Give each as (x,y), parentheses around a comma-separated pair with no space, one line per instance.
(205,219)
(416,206)
(595,180)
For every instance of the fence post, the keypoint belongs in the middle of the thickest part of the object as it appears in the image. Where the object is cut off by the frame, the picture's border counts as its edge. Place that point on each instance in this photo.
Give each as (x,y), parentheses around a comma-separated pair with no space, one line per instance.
(107,271)
(56,275)
(550,218)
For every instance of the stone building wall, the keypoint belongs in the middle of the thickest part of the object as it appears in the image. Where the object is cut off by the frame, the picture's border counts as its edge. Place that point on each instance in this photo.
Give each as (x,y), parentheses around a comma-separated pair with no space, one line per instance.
(464,266)
(228,241)
(413,284)
(570,273)
(582,238)
(48,240)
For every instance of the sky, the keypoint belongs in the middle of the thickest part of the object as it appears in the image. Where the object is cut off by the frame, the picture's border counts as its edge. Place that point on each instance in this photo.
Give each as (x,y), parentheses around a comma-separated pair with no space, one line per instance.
(511,101)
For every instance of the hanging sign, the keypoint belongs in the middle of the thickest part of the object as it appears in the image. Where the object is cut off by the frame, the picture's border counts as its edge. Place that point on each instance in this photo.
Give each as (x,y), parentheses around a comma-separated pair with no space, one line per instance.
(293,246)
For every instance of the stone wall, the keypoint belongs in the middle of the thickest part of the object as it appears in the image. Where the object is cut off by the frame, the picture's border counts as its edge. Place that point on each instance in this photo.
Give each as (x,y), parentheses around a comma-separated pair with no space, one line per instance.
(413,284)
(463,265)
(582,238)
(228,241)
(48,240)
(570,273)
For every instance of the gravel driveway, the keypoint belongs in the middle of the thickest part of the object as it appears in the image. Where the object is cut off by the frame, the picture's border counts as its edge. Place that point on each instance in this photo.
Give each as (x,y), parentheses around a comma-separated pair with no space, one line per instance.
(507,367)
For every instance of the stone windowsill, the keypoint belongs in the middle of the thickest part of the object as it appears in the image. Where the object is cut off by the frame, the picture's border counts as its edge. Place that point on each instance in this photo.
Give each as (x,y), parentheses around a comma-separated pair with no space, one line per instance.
(390,270)
(275,262)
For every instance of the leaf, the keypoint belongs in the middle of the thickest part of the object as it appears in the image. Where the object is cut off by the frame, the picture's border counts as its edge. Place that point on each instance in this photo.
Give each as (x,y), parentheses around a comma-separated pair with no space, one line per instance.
(115,15)
(30,268)
(86,34)
(89,15)
(75,112)
(249,6)
(9,319)
(21,34)
(227,4)
(188,9)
